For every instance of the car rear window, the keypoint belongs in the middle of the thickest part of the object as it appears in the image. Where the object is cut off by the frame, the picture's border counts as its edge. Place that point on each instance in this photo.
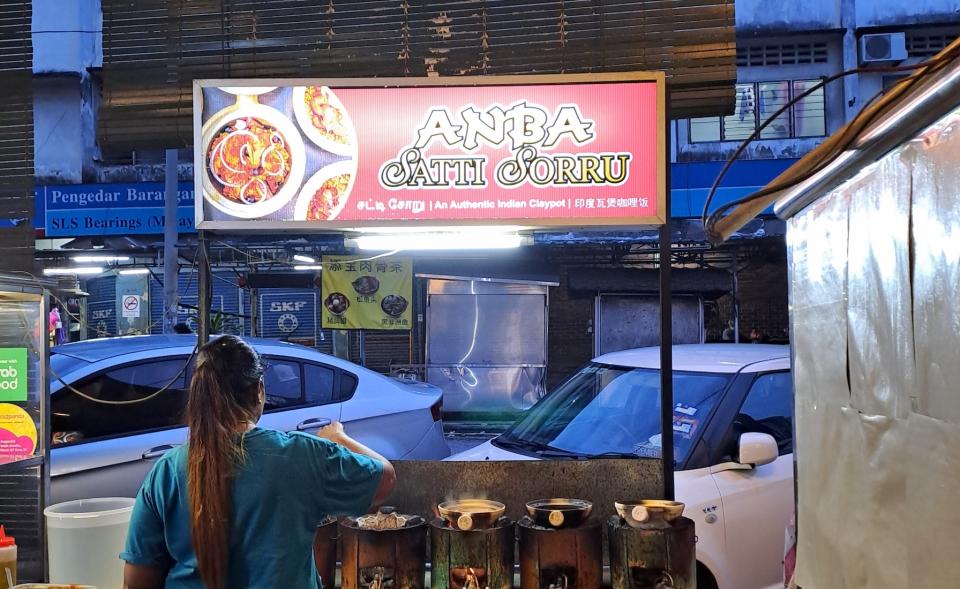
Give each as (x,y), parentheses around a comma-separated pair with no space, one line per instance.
(123,401)
(319,383)
(283,384)
(348,385)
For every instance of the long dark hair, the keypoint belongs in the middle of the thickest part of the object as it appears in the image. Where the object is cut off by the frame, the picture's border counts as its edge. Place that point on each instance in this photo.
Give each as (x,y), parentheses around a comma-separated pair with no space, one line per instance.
(224,395)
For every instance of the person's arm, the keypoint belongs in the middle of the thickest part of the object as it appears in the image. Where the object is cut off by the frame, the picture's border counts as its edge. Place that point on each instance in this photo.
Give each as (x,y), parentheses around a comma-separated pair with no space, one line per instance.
(145,555)
(334,433)
(138,576)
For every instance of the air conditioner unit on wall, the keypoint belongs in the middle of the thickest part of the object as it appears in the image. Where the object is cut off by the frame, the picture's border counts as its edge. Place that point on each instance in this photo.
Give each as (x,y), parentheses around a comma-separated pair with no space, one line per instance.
(883,47)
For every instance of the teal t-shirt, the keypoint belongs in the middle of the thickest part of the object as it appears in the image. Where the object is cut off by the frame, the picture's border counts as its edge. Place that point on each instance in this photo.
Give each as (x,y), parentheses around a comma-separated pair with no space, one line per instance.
(287,485)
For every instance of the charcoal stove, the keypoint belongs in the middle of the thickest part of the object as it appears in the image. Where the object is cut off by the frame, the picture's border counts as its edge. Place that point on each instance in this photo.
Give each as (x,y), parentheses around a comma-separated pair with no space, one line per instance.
(383,551)
(560,558)
(477,558)
(652,547)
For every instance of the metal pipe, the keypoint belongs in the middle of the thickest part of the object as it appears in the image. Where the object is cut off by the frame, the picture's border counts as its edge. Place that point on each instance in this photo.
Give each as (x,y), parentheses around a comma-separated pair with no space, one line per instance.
(170,253)
(204,291)
(919,108)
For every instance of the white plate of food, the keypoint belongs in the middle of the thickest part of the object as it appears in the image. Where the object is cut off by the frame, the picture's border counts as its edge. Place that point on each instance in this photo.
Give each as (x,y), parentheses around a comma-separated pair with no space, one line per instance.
(254,159)
(247,90)
(324,119)
(326,193)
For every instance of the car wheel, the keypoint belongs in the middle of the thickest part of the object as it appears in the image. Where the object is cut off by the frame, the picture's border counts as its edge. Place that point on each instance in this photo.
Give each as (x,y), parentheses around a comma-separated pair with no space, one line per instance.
(705,578)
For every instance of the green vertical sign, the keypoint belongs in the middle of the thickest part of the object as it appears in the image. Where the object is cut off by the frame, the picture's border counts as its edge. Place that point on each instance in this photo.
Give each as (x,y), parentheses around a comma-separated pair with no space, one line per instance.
(13,374)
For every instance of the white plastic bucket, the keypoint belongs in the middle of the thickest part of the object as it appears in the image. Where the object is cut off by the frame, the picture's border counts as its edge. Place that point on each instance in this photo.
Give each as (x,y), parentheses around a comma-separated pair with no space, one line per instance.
(85,539)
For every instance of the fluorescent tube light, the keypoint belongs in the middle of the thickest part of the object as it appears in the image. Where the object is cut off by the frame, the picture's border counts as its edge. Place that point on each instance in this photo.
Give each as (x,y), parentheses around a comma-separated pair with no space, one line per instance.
(133,271)
(77,270)
(87,259)
(303,268)
(305,259)
(465,240)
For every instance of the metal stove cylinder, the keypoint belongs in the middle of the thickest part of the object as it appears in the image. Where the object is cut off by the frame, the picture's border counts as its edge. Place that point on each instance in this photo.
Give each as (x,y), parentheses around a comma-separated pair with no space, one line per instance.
(568,558)
(325,551)
(475,559)
(653,558)
(383,559)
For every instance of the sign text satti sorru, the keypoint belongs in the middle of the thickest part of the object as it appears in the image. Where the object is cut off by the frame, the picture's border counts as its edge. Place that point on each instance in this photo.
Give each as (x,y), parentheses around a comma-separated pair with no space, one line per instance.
(589,152)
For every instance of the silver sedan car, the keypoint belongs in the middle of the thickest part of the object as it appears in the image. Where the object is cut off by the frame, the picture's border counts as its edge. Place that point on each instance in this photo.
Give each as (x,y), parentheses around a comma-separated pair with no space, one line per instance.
(124,405)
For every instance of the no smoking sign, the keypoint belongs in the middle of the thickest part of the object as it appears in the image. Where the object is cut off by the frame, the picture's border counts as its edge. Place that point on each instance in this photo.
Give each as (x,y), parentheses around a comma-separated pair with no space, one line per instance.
(131,306)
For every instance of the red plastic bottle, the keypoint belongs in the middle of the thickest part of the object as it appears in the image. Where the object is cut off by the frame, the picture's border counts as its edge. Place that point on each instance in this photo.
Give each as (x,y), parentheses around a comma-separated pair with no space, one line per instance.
(8,560)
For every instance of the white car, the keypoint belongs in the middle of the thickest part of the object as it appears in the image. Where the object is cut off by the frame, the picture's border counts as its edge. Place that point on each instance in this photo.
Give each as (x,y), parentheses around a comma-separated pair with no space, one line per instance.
(733,444)
(103,445)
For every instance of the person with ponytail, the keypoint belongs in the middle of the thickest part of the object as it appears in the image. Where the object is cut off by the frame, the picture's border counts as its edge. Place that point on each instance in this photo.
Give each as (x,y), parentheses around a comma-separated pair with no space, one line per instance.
(237,506)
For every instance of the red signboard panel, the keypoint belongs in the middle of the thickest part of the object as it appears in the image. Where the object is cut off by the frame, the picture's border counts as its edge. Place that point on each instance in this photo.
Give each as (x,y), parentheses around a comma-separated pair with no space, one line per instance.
(552,151)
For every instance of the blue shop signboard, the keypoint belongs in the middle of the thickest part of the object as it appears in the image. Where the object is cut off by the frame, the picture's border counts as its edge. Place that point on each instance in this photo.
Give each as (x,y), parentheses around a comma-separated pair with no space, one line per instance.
(76,210)
(73,210)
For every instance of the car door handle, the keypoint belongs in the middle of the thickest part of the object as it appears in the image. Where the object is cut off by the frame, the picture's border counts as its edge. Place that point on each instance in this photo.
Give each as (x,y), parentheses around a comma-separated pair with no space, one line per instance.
(314,423)
(157,451)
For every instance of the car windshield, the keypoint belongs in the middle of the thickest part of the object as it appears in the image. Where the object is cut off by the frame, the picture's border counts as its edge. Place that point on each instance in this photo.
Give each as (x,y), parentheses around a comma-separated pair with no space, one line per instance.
(605,410)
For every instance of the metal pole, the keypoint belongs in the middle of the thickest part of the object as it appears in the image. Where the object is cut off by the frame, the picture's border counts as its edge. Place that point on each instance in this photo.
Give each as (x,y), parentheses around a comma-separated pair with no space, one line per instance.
(203,289)
(363,348)
(666,362)
(170,256)
(254,312)
(736,299)
(666,337)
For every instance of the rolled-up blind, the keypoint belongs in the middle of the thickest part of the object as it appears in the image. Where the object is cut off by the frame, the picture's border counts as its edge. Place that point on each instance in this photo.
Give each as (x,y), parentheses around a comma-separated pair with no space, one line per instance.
(154,49)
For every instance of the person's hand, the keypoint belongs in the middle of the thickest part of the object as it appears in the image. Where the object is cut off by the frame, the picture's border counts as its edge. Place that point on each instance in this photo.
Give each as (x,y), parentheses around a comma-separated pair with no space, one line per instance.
(332,432)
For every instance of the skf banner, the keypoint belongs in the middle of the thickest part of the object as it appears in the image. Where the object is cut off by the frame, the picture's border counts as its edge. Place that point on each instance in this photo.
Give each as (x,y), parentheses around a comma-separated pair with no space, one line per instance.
(360,293)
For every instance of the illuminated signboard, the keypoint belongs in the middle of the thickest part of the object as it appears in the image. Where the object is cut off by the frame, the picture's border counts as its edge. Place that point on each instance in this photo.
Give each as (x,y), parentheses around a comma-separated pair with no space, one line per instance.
(572,150)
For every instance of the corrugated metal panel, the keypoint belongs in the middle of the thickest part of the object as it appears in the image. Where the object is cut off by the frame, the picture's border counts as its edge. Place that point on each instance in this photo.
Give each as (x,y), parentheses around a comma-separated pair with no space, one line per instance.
(101,307)
(289,314)
(16,136)
(153,49)
(22,517)
(16,46)
(226,299)
(385,348)
(308,317)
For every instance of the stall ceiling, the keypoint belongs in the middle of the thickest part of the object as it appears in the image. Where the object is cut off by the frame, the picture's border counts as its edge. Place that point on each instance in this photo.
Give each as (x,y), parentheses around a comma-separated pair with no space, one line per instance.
(154,49)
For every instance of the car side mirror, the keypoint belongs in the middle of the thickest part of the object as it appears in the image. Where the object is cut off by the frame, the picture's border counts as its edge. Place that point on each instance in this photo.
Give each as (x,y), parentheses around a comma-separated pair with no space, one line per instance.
(757,449)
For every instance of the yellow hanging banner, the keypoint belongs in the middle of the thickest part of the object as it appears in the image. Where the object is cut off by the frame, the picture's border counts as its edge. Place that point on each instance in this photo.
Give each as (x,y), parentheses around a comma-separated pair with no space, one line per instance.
(364,293)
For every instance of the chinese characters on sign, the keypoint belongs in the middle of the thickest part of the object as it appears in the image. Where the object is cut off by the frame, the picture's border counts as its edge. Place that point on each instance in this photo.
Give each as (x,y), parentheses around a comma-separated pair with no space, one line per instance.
(367,293)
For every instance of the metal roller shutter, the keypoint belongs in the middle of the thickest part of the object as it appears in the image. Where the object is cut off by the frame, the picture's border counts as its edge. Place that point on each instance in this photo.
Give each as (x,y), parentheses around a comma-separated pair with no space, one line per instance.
(383,348)
(154,49)
(226,299)
(16,137)
(101,307)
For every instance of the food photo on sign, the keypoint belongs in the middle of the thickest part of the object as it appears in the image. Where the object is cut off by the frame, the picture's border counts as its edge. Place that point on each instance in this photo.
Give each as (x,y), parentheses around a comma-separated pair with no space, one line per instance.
(367,293)
(307,154)
(286,153)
